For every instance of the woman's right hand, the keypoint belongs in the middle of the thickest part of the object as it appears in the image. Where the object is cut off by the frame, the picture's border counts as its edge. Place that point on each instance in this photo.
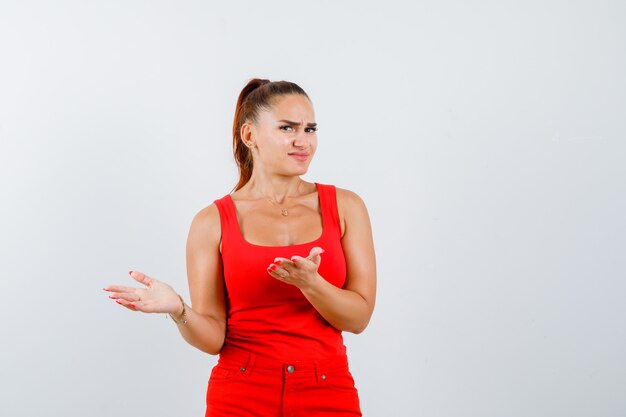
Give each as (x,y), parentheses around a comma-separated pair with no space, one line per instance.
(158,297)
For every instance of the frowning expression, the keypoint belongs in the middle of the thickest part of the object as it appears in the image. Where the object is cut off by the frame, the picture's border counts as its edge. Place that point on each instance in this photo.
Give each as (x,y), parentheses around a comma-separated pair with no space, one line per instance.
(285,136)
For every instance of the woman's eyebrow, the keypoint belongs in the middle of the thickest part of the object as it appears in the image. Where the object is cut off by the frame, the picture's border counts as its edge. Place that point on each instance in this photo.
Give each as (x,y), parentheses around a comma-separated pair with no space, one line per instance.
(297,124)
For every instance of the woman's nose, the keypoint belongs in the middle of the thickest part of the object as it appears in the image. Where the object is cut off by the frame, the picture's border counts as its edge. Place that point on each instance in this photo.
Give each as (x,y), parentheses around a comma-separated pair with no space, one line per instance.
(300,140)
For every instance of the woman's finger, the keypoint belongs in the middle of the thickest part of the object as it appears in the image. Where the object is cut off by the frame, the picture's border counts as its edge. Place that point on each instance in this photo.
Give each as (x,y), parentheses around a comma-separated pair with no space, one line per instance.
(300,262)
(284,262)
(278,271)
(144,307)
(125,296)
(280,260)
(119,288)
(141,277)
(128,304)
(315,251)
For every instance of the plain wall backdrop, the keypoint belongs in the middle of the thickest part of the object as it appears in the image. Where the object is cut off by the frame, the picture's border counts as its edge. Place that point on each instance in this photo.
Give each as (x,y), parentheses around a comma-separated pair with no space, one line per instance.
(485,137)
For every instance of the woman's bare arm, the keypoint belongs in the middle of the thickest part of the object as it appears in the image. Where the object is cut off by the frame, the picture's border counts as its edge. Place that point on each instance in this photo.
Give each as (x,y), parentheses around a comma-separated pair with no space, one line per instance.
(349,308)
(206,318)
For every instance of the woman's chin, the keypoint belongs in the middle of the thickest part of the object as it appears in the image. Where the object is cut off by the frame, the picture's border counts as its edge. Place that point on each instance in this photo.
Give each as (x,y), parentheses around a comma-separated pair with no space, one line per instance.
(300,170)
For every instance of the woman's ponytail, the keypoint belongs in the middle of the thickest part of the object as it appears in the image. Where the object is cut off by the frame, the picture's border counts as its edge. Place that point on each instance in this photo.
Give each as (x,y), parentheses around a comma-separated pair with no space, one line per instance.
(243,154)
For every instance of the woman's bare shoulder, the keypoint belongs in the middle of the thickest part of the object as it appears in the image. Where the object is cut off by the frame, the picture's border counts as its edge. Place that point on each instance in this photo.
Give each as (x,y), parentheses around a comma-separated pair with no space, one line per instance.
(206,222)
(349,205)
(348,196)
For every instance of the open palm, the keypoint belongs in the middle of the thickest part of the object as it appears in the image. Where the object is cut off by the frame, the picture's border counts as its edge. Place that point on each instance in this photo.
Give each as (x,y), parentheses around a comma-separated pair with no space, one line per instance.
(157,297)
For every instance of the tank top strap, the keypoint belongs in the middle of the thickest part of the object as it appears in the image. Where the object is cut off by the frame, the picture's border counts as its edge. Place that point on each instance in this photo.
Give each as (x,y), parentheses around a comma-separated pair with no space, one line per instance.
(228,218)
(328,201)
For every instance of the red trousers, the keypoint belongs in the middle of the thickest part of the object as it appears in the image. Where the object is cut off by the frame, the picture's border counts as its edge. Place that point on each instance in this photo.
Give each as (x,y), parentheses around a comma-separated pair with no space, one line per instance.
(243,384)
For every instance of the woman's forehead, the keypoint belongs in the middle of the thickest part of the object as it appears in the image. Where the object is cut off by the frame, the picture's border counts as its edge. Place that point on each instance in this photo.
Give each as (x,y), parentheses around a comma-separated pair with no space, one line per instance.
(293,107)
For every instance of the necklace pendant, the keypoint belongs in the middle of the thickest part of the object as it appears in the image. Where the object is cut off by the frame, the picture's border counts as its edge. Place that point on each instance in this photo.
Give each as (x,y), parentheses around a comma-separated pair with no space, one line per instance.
(284,212)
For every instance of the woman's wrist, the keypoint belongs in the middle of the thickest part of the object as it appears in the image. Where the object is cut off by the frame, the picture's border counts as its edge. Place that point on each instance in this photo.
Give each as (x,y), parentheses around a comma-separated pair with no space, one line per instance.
(181,316)
(314,285)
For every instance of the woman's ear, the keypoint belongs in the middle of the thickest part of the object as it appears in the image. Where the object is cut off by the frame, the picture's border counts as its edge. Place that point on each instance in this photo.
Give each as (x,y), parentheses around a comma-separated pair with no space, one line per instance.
(247,134)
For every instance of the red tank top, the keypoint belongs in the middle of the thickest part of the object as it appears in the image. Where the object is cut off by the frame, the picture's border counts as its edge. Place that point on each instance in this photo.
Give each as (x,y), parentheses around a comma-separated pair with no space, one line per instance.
(270,317)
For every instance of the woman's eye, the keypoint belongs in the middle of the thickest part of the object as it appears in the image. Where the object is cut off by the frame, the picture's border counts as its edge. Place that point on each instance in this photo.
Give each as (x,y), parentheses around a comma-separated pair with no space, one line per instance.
(290,128)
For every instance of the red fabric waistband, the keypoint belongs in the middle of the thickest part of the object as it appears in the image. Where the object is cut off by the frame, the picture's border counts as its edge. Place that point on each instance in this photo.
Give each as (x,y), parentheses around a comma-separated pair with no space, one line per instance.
(235,358)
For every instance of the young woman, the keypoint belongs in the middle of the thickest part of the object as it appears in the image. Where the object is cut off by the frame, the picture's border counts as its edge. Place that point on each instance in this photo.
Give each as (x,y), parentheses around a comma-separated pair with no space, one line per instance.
(277,270)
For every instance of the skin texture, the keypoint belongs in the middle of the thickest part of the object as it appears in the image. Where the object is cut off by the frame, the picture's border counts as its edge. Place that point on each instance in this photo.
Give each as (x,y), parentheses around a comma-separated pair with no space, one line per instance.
(276,176)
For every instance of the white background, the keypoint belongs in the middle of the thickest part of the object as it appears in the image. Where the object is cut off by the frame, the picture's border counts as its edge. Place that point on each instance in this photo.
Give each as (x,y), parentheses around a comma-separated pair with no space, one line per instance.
(486,138)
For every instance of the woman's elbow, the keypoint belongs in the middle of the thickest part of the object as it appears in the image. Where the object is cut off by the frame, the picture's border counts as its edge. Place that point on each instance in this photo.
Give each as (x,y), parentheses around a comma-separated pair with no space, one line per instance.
(213,349)
(358,328)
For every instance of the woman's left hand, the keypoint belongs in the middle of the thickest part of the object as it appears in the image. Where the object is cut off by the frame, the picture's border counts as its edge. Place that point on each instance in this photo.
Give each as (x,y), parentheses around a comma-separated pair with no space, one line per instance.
(297,271)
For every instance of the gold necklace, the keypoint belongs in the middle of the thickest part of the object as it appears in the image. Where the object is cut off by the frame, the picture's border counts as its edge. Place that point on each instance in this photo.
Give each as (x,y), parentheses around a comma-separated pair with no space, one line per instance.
(283,211)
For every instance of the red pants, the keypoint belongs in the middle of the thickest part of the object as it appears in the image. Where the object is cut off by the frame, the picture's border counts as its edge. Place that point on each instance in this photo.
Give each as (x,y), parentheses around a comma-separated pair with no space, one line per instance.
(243,384)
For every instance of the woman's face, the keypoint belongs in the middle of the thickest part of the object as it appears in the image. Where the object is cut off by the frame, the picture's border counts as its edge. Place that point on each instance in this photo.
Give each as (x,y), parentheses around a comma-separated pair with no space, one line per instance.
(285,136)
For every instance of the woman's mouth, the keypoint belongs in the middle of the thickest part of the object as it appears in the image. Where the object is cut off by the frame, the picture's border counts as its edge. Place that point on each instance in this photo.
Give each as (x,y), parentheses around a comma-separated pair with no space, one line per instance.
(300,156)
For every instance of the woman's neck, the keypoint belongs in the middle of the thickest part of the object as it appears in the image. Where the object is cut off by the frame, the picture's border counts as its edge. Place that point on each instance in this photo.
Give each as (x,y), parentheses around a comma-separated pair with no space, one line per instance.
(278,189)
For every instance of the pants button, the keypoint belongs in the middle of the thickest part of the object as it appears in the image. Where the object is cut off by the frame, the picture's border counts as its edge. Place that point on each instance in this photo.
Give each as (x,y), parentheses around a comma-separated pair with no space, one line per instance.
(290,369)
(323,376)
